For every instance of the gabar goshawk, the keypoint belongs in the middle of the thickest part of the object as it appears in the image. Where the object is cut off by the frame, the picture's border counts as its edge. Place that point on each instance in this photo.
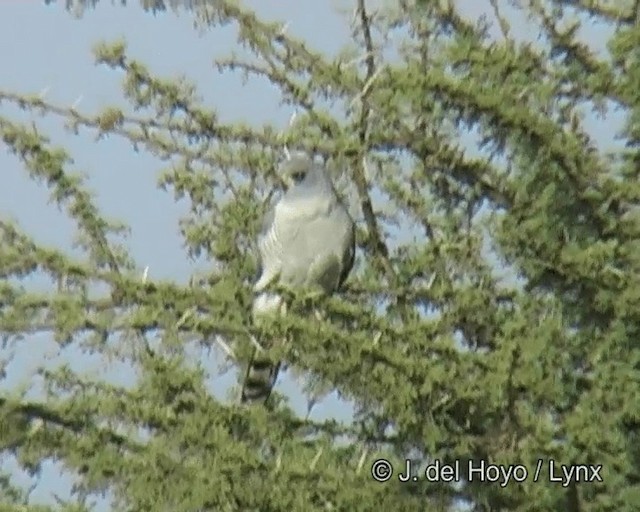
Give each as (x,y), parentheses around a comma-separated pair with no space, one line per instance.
(307,241)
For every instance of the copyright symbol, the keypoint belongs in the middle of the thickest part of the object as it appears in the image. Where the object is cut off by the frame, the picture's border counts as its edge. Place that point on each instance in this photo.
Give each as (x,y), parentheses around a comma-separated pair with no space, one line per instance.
(381,470)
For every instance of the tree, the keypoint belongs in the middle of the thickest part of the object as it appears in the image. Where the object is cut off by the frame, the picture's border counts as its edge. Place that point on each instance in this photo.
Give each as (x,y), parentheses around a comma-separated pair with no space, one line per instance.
(444,358)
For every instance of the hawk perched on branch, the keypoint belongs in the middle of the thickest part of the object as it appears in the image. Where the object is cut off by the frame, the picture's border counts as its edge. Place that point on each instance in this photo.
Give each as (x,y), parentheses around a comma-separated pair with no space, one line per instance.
(307,241)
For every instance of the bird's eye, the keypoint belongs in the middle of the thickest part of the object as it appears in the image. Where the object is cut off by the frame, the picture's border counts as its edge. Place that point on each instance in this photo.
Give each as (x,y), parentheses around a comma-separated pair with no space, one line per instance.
(297,177)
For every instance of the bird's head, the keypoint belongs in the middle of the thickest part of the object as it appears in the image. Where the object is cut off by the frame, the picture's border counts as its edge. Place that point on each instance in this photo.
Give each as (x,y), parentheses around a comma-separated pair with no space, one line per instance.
(295,170)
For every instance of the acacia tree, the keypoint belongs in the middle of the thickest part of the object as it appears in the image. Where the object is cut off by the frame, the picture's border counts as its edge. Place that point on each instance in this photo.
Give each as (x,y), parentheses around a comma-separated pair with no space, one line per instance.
(442,357)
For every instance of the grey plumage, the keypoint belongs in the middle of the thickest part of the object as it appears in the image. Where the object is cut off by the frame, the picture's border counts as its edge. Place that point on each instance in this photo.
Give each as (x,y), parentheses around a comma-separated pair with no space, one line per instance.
(307,241)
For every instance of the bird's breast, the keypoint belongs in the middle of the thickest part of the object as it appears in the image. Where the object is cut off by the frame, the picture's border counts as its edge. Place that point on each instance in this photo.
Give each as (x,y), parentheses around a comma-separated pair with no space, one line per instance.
(304,210)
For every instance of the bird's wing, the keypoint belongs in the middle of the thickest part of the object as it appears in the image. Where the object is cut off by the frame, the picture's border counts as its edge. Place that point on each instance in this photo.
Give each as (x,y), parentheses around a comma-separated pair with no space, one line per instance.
(348,248)
(269,251)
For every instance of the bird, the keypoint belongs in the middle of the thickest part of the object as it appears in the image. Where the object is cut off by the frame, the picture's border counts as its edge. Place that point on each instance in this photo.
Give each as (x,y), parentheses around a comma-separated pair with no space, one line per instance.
(307,241)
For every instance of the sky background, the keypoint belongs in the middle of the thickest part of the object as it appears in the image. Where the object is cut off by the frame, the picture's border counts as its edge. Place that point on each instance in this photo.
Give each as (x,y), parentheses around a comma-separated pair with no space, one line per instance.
(44,49)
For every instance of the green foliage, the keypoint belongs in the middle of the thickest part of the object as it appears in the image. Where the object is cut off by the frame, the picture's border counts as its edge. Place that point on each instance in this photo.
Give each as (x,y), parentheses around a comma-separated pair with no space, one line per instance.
(443,357)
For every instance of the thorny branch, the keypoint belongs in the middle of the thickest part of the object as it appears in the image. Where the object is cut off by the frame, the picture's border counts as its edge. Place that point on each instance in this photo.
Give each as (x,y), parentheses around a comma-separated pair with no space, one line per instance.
(35,411)
(35,156)
(146,126)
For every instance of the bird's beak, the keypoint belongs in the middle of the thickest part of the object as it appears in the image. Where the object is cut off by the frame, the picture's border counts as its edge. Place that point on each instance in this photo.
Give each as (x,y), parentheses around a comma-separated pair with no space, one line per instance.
(285,182)
(282,180)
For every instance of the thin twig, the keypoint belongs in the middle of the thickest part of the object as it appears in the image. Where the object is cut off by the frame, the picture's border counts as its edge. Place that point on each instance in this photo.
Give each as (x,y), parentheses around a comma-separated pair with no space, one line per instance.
(226,348)
(315,459)
(361,460)
(375,239)
(504,24)
(365,88)
(256,344)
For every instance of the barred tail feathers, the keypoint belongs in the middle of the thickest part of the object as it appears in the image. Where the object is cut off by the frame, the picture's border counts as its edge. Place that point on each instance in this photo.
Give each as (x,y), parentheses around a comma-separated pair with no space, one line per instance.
(260,378)
(262,372)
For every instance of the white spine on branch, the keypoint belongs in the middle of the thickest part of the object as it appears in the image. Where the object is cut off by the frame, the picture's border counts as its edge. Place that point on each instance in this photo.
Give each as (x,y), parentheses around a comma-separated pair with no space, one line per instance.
(77,102)
(43,93)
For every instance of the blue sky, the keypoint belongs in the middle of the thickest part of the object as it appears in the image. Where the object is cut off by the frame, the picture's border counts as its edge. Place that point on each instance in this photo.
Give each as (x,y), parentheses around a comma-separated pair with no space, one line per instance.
(46,50)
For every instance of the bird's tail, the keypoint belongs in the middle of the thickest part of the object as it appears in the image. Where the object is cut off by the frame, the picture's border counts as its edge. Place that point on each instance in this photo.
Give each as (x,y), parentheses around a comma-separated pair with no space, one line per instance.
(259,379)
(262,372)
